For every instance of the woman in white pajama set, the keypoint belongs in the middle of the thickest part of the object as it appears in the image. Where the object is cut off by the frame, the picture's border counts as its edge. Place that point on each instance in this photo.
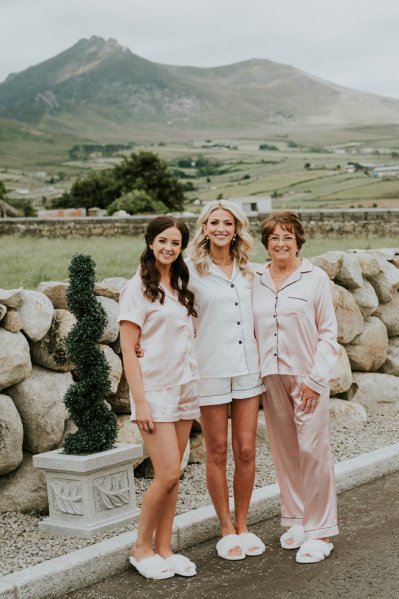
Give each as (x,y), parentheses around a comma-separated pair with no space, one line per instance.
(156,309)
(296,331)
(228,364)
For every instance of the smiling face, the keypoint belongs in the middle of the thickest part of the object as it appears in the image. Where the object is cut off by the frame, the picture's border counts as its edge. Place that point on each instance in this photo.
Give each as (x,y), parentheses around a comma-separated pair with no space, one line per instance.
(282,245)
(220,228)
(167,247)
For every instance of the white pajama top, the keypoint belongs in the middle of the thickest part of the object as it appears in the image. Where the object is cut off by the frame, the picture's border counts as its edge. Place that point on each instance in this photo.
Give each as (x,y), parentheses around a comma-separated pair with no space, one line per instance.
(166,337)
(296,327)
(225,339)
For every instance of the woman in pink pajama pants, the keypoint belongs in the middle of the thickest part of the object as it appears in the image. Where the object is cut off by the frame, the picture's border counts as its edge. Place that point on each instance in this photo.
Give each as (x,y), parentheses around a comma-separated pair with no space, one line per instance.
(296,331)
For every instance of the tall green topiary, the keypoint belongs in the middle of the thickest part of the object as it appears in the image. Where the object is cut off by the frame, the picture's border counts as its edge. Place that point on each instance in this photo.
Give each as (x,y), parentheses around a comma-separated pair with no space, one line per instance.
(85,398)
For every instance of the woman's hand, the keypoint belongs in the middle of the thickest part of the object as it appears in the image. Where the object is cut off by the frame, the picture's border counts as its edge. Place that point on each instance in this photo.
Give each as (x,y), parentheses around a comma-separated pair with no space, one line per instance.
(310,399)
(139,351)
(144,417)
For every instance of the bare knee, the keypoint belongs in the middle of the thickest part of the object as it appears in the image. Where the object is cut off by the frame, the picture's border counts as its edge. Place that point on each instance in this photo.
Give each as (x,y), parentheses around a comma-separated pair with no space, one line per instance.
(217,454)
(245,454)
(169,479)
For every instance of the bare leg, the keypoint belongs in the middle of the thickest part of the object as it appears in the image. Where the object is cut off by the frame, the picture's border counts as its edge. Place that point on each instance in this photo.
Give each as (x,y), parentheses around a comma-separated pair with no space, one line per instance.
(214,427)
(162,445)
(163,530)
(244,416)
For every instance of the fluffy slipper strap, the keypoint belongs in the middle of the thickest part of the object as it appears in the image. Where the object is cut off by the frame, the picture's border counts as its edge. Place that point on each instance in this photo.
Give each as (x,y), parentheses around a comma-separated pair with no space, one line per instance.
(180,564)
(226,543)
(251,543)
(153,567)
(296,533)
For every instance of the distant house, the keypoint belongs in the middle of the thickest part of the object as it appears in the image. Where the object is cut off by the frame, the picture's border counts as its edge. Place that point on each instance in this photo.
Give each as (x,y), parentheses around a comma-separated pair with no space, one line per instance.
(386,171)
(253,205)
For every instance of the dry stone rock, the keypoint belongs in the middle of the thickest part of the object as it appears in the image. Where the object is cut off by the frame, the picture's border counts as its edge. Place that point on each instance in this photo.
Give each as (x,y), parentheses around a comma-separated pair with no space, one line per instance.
(12,321)
(111,308)
(350,273)
(389,314)
(36,313)
(342,373)
(366,298)
(345,413)
(120,402)
(349,318)
(24,489)
(368,262)
(11,436)
(330,262)
(56,292)
(386,283)
(391,364)
(11,298)
(3,311)
(15,362)
(115,364)
(378,393)
(50,350)
(197,448)
(128,432)
(39,401)
(368,351)
(387,253)
(110,287)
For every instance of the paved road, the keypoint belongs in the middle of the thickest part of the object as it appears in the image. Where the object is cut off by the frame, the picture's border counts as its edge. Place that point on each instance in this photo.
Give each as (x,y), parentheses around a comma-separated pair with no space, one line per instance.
(364,563)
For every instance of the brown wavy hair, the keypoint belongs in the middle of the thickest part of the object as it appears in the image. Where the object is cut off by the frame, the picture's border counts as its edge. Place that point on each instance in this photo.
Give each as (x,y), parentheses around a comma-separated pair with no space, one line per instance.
(287,220)
(179,274)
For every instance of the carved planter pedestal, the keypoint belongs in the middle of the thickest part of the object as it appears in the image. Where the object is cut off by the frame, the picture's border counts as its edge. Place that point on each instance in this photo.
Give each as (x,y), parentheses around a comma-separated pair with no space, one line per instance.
(89,493)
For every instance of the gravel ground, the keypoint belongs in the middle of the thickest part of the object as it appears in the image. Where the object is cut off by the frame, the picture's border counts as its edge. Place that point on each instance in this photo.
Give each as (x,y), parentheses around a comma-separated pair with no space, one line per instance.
(23,545)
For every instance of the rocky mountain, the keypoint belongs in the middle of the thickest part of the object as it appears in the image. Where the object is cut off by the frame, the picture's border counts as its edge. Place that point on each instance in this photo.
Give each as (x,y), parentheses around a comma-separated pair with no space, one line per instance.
(98,88)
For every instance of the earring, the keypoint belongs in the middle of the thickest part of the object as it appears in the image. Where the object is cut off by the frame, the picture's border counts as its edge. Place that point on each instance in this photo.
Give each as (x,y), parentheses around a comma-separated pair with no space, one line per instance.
(234,238)
(206,237)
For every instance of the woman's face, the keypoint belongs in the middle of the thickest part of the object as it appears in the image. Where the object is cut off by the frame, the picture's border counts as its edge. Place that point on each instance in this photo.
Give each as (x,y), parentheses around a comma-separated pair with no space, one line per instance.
(220,228)
(167,246)
(282,245)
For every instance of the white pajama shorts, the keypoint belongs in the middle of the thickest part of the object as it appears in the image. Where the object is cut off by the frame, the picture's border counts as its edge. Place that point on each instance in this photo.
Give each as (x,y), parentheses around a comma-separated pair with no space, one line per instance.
(217,391)
(171,404)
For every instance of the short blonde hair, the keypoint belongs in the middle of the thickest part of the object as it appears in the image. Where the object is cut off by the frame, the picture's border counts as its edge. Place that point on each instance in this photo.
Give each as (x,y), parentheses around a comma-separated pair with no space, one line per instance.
(240,250)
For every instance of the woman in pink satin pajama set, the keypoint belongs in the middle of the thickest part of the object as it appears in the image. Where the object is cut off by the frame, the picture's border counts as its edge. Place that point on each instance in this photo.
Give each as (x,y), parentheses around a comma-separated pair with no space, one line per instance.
(296,331)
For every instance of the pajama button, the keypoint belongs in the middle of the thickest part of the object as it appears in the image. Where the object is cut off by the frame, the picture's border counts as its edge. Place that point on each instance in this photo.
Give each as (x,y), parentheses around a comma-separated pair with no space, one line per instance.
(238,322)
(240,342)
(236,304)
(232,286)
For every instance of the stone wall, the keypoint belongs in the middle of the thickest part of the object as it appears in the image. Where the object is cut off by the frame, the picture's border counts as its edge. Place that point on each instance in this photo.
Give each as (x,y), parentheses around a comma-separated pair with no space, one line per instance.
(327,223)
(35,374)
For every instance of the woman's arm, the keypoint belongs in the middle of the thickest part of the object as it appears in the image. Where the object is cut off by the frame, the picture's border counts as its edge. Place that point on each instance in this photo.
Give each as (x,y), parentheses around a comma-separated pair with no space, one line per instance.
(129,335)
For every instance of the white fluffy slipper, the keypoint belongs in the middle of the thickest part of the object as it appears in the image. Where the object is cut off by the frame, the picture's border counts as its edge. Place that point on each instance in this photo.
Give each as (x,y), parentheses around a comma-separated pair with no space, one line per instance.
(226,544)
(297,534)
(313,551)
(153,567)
(251,544)
(181,565)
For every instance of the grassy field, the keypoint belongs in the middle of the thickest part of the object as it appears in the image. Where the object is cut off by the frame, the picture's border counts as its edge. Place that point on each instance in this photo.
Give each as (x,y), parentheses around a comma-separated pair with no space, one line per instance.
(25,262)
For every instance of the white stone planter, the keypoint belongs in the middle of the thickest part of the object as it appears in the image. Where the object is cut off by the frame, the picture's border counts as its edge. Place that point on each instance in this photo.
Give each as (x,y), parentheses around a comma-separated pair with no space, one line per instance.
(89,493)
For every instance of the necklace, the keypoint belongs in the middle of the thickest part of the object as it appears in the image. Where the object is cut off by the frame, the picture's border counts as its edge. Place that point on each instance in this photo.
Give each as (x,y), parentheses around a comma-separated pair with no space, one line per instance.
(282,275)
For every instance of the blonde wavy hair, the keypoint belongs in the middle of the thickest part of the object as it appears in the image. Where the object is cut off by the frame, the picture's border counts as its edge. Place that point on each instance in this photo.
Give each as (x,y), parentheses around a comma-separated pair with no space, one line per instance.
(240,249)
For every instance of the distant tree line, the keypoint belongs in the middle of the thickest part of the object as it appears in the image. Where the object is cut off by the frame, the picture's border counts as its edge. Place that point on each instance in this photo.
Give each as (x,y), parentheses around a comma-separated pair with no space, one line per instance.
(141,182)
(83,151)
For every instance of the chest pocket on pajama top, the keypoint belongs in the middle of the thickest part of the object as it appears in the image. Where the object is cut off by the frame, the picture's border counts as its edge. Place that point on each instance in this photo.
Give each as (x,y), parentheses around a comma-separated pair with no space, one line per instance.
(294,304)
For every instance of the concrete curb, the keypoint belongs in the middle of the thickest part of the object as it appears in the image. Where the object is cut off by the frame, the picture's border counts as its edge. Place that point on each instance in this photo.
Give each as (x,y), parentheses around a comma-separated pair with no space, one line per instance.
(83,567)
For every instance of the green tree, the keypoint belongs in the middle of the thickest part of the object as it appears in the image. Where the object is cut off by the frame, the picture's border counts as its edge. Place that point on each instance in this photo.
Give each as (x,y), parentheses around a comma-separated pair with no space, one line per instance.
(95,189)
(136,202)
(85,399)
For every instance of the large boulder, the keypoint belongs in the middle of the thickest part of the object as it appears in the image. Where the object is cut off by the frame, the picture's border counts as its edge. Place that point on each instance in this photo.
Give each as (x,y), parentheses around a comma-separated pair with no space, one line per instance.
(349,318)
(347,414)
(391,364)
(15,362)
(128,432)
(36,313)
(115,366)
(110,287)
(12,321)
(330,262)
(342,373)
(378,393)
(11,436)
(368,262)
(3,311)
(50,351)
(366,298)
(56,292)
(39,401)
(368,351)
(120,402)
(389,314)
(11,298)
(111,308)
(197,448)
(386,282)
(24,489)
(350,274)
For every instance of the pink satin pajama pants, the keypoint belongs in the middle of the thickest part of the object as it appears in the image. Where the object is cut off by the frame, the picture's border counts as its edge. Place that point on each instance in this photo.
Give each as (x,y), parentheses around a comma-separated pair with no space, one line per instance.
(301,453)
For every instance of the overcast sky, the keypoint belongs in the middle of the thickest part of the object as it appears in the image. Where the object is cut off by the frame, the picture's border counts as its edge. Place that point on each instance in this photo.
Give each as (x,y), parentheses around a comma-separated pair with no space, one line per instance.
(350,42)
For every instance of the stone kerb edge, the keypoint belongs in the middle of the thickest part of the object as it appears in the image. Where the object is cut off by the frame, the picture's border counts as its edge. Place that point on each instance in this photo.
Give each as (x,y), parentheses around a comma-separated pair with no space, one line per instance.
(86,566)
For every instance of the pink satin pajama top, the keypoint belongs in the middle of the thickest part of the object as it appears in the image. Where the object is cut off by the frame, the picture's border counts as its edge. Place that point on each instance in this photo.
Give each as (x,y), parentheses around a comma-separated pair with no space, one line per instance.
(295,327)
